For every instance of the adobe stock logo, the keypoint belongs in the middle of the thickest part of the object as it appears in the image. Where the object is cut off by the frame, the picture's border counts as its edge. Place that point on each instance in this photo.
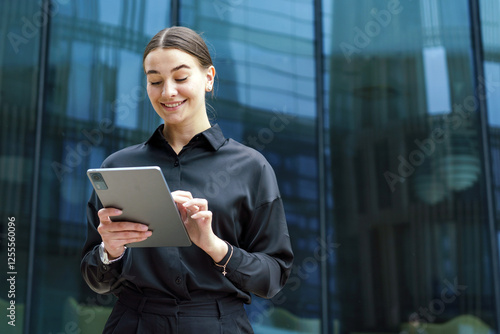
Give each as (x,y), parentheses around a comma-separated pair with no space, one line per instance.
(266,135)
(225,6)
(461,117)
(363,37)
(31,26)
(75,153)
(428,315)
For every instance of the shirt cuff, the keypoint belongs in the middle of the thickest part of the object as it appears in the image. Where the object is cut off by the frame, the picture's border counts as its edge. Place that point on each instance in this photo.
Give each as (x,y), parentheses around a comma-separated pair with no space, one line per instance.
(104,256)
(235,258)
(226,257)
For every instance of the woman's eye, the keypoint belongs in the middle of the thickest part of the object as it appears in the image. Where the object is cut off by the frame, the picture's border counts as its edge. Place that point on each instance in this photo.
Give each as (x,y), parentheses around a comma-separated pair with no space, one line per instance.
(156,83)
(180,80)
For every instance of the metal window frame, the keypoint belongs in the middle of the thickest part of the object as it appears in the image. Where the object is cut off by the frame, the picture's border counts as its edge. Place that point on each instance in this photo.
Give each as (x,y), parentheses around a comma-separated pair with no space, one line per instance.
(478,63)
(478,68)
(41,80)
(320,135)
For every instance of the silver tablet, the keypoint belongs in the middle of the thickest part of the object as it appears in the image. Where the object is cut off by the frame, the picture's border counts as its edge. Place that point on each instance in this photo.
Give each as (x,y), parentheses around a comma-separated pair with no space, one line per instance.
(143,196)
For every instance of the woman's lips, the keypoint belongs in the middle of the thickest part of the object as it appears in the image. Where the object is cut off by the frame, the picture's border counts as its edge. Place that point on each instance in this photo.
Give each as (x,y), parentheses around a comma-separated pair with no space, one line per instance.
(172,105)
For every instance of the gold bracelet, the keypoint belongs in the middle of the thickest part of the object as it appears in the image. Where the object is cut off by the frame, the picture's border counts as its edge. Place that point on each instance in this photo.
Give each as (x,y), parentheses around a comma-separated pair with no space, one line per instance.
(224,272)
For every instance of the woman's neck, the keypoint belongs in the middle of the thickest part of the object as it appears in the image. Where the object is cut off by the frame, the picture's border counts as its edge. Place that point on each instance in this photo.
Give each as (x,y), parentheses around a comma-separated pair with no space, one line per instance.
(179,135)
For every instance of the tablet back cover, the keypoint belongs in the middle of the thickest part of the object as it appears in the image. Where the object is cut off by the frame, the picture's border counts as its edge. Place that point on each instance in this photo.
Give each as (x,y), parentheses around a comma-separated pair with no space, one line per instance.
(143,196)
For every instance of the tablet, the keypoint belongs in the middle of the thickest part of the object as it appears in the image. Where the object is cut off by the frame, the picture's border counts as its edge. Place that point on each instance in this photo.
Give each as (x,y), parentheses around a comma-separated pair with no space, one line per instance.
(143,195)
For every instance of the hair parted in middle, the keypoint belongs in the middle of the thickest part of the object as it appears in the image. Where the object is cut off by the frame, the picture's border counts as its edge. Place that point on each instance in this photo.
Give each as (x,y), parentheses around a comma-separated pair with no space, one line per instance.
(181,38)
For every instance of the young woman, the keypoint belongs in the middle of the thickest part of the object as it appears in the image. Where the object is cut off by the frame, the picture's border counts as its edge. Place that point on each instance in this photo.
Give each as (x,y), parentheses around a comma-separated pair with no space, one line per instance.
(228,199)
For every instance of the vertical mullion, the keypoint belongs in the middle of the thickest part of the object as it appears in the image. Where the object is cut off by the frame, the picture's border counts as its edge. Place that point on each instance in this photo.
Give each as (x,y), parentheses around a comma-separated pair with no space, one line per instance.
(174,12)
(42,66)
(319,68)
(478,63)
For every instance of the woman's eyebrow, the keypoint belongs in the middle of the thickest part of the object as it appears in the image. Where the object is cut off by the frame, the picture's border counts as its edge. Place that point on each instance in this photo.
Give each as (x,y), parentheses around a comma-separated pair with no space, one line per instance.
(152,72)
(171,71)
(179,67)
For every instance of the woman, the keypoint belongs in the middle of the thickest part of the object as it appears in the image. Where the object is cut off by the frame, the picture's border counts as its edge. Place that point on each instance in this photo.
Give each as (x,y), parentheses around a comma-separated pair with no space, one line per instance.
(228,199)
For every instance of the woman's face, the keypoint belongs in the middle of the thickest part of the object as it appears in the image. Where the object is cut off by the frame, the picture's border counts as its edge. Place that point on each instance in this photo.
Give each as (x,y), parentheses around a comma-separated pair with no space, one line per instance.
(177,85)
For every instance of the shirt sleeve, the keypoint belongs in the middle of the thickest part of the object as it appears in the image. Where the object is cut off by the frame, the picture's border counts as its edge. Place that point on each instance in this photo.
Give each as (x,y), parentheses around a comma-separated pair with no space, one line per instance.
(101,278)
(262,262)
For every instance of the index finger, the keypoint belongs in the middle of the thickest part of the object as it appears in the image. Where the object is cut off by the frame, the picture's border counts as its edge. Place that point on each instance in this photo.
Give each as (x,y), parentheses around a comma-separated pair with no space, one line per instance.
(181,196)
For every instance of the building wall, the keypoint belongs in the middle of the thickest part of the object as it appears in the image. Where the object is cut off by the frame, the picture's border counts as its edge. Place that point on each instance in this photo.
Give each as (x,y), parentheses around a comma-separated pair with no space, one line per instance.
(378,116)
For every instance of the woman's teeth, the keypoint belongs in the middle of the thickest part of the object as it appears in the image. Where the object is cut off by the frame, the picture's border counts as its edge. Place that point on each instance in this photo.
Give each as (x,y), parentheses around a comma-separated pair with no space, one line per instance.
(172,105)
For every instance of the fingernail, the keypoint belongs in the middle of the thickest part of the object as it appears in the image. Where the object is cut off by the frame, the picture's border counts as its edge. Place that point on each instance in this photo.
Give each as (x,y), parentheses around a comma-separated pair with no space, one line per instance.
(118,212)
(144,227)
(149,233)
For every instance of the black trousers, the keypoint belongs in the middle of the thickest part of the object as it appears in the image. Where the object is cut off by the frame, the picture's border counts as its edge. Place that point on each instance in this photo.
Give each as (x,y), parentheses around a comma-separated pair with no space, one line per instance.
(134,314)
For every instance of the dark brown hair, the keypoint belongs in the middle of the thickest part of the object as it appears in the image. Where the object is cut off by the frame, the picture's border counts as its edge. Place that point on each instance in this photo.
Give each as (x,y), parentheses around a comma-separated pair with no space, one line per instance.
(183,39)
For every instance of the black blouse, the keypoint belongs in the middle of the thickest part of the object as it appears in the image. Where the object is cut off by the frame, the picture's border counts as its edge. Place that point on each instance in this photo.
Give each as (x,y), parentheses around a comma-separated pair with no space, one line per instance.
(242,193)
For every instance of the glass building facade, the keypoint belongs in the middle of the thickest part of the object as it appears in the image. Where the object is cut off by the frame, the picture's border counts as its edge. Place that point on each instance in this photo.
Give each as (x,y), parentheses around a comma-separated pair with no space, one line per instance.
(380,118)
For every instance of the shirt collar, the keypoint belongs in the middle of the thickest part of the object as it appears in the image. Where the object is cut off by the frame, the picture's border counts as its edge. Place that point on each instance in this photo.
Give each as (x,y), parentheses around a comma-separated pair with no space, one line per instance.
(213,135)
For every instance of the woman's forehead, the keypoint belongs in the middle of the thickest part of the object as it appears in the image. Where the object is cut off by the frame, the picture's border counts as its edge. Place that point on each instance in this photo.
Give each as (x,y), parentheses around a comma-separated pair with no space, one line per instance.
(169,60)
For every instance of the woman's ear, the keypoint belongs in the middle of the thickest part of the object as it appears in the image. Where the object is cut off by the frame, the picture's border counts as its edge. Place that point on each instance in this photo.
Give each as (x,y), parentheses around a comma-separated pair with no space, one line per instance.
(210,78)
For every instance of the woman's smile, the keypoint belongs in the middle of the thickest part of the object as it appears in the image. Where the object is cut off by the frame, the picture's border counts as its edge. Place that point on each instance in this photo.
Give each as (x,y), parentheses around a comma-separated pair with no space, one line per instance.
(172,106)
(177,87)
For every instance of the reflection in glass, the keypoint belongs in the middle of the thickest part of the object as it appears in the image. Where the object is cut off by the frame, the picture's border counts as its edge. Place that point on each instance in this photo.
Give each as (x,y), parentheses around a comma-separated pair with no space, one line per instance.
(405,166)
(407,243)
(95,103)
(264,56)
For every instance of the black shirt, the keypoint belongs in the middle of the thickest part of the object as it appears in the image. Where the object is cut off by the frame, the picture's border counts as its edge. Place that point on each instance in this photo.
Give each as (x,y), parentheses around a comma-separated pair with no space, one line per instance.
(242,193)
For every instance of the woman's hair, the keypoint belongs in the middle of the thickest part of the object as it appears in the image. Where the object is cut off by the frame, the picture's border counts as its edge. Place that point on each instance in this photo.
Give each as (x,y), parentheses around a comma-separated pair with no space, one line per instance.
(183,39)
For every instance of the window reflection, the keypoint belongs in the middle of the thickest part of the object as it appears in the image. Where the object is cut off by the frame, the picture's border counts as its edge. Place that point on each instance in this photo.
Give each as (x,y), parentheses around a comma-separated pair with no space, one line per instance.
(406,166)
(265,61)
(408,246)
(490,29)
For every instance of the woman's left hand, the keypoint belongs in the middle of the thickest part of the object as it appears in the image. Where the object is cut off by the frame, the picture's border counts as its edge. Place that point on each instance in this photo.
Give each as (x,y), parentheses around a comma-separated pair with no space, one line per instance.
(198,221)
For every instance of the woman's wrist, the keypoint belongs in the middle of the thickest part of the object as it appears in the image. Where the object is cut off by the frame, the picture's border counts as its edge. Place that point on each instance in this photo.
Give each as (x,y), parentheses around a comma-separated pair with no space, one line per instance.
(218,250)
(115,253)
(106,258)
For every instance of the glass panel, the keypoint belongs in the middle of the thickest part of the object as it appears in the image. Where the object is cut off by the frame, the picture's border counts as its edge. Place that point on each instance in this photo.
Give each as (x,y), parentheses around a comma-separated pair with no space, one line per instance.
(20,24)
(95,104)
(405,169)
(265,97)
(490,28)
(490,25)
(407,244)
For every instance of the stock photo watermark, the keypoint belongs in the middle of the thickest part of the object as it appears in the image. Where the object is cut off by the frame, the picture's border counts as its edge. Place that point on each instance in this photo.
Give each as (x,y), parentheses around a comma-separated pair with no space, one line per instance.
(74,154)
(425,148)
(300,272)
(11,271)
(30,27)
(219,180)
(223,7)
(363,37)
(427,315)
(95,308)
(265,136)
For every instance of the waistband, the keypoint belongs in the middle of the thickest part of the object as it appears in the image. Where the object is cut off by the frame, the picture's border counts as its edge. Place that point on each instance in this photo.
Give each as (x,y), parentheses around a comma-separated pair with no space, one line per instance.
(174,307)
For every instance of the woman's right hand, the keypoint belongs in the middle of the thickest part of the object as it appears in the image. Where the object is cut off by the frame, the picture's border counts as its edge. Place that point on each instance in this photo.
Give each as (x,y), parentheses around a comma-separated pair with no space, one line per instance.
(116,234)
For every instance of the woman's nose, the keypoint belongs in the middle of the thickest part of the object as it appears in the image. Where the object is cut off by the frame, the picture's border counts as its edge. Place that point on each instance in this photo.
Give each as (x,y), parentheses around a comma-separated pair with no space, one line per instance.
(169,90)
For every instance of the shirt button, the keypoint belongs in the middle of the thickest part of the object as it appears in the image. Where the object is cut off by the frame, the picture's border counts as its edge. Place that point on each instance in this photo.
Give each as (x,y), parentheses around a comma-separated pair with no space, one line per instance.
(178,280)
(176,163)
